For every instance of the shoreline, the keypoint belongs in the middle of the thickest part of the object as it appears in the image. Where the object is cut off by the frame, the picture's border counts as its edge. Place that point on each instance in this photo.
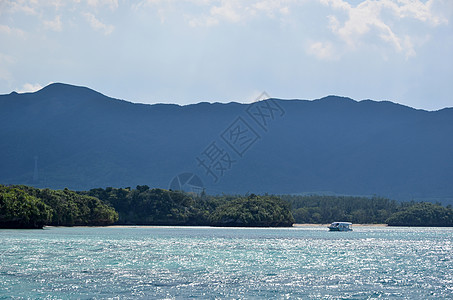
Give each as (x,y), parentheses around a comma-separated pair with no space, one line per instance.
(163,226)
(353,225)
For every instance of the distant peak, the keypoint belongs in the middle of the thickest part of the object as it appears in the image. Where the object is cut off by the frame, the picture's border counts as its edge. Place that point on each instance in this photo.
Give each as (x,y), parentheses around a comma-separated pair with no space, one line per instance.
(336,99)
(63,88)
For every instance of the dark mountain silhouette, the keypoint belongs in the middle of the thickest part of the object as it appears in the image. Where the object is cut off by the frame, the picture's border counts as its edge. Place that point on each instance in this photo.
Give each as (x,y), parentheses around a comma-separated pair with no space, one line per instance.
(82,139)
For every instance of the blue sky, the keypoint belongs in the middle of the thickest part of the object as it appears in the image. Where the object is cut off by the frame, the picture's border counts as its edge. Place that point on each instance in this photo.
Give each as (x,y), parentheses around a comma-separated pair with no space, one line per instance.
(188,51)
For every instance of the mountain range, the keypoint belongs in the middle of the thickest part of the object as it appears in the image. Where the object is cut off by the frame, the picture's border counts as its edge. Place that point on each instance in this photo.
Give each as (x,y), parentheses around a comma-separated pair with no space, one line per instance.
(70,136)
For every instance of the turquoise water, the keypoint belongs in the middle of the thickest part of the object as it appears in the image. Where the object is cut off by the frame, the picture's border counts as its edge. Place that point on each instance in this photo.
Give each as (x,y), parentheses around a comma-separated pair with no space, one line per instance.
(197,262)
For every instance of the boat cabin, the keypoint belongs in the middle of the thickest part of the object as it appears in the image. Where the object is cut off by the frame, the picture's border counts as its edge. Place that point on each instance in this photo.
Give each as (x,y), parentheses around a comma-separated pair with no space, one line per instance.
(340,226)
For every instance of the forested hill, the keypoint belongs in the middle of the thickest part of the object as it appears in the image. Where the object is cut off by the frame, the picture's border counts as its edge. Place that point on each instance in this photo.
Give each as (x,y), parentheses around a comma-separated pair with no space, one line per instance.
(82,139)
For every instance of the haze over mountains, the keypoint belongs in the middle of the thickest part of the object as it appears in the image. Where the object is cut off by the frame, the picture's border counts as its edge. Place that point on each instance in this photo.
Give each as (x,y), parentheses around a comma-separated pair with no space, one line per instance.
(81,139)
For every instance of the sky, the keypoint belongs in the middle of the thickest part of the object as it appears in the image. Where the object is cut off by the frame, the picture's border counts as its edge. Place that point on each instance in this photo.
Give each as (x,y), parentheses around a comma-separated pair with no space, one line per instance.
(189,51)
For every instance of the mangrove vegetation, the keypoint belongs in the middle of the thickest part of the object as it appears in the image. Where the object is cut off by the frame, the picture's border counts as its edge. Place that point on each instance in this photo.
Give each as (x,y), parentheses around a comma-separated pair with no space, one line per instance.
(29,207)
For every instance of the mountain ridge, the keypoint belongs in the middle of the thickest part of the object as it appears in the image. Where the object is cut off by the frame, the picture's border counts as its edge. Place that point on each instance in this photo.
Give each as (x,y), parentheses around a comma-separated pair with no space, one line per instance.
(84,139)
(58,87)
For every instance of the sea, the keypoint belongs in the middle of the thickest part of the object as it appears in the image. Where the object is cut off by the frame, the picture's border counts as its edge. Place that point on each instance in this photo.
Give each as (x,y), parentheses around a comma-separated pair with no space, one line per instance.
(306,262)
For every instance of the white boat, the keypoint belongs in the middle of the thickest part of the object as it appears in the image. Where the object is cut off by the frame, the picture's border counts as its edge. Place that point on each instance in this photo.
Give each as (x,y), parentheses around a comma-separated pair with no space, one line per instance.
(340,226)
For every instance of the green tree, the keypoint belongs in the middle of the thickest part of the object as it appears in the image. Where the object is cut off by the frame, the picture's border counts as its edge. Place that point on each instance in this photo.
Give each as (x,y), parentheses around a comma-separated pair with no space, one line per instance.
(70,208)
(257,211)
(20,210)
(422,214)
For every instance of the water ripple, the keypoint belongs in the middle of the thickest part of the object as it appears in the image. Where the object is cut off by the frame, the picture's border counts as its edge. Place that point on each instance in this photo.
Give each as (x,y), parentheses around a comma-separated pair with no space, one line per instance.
(175,262)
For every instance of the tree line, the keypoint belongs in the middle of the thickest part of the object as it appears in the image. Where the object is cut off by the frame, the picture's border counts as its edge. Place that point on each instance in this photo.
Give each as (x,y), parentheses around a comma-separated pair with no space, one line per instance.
(28,207)
(320,209)
(163,207)
(325,209)
(422,214)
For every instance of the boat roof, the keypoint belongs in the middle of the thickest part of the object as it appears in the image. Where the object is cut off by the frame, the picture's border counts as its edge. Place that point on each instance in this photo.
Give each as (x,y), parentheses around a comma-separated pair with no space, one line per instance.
(345,223)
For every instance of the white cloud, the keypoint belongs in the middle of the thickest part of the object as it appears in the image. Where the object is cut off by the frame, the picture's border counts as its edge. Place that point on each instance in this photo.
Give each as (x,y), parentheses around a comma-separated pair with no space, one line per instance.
(386,25)
(235,11)
(54,25)
(30,87)
(204,21)
(11,31)
(113,4)
(22,7)
(273,7)
(213,12)
(423,11)
(149,3)
(322,50)
(228,10)
(368,18)
(98,25)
